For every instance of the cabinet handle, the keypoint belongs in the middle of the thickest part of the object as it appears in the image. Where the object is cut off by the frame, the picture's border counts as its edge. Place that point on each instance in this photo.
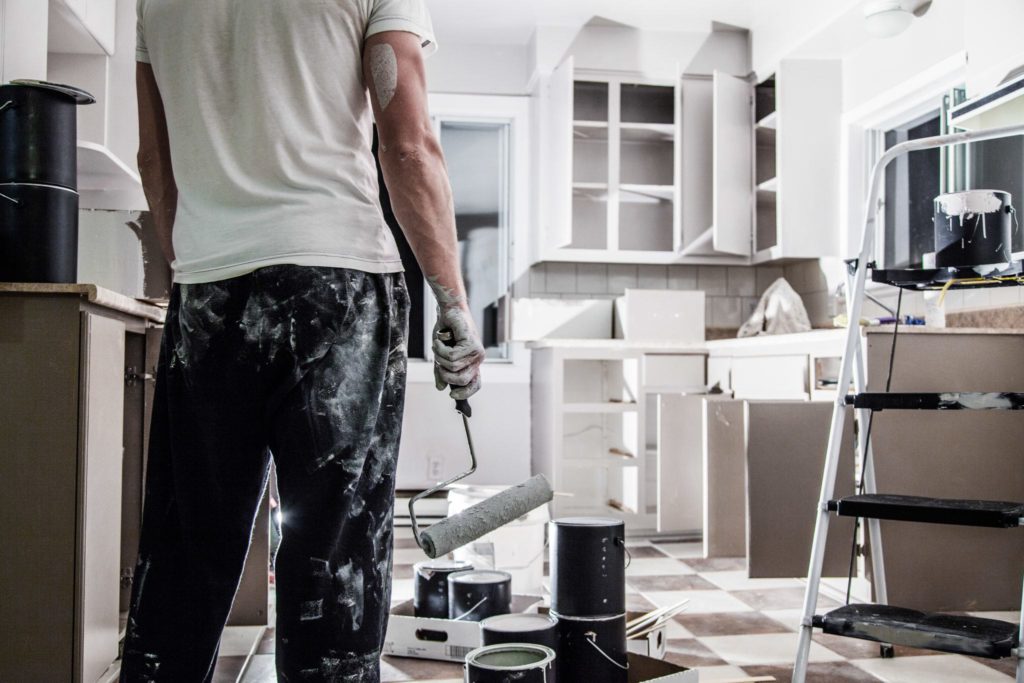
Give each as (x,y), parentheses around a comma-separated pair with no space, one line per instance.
(131,376)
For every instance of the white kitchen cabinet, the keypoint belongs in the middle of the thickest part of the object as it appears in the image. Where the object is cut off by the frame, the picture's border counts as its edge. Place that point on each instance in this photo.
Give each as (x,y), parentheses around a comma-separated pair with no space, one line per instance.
(107,130)
(591,433)
(718,124)
(611,160)
(83,26)
(796,161)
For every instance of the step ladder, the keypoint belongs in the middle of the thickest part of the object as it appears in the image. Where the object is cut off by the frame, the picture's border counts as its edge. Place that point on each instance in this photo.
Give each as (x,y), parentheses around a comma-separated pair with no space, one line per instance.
(884,623)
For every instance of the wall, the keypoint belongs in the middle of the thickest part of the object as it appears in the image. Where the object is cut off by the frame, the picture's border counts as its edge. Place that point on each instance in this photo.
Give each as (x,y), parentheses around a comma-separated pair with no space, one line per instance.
(732,292)
(479,69)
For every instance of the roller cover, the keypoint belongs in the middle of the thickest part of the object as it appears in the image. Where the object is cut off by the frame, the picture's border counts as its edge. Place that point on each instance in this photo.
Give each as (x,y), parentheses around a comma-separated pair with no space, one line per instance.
(486,516)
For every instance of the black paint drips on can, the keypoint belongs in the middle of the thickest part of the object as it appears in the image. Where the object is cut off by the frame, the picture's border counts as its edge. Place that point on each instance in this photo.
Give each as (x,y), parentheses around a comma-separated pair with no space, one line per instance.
(476,595)
(588,566)
(430,586)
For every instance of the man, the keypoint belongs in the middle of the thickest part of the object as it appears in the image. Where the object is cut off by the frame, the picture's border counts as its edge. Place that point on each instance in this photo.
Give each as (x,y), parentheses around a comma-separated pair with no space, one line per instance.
(286,328)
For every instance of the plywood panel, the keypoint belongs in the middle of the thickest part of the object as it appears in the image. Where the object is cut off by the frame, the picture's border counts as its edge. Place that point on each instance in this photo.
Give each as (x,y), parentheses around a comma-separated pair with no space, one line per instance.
(725,479)
(681,443)
(953,455)
(786,443)
(100,465)
(39,365)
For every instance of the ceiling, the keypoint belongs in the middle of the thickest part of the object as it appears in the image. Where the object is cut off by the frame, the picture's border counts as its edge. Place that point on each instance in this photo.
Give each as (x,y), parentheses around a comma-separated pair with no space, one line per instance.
(512,22)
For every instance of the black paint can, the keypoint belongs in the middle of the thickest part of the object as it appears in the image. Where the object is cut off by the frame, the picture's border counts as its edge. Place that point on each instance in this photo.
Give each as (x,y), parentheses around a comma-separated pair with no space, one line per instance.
(478,594)
(430,586)
(38,233)
(536,629)
(588,566)
(592,649)
(38,133)
(510,663)
(974,228)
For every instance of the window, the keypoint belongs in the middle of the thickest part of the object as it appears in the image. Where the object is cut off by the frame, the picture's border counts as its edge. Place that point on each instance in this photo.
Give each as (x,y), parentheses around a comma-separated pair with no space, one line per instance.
(912,181)
(477,156)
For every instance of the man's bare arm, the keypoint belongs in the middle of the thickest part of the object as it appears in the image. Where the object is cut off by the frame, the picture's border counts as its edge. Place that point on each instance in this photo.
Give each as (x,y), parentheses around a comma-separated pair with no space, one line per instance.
(155,158)
(421,196)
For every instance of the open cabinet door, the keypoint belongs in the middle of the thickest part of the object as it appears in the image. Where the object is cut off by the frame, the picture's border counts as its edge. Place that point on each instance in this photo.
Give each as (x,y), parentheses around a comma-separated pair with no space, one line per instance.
(558,153)
(732,165)
(677,166)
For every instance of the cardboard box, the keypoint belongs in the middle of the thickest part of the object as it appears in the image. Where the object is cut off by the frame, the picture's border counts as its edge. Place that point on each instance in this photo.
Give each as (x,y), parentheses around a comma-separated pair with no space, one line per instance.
(653,644)
(648,670)
(443,639)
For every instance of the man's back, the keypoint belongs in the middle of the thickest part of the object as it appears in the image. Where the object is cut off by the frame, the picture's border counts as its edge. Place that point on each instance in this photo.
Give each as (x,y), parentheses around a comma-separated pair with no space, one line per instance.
(269,127)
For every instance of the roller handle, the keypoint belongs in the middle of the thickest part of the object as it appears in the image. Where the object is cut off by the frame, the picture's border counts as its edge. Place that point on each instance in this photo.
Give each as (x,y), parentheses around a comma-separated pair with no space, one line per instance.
(461,404)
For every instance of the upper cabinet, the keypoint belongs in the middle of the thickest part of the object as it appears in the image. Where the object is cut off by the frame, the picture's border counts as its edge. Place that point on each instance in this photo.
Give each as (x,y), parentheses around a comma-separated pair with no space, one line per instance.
(83,26)
(706,169)
(611,162)
(796,161)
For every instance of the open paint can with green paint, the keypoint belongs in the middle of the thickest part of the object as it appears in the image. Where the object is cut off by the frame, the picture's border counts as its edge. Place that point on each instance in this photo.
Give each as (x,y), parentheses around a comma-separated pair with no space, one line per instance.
(505,663)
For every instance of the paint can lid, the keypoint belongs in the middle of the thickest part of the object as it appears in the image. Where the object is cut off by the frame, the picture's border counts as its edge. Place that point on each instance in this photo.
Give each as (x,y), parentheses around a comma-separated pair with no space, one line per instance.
(510,657)
(77,94)
(518,623)
(442,565)
(481,576)
(588,521)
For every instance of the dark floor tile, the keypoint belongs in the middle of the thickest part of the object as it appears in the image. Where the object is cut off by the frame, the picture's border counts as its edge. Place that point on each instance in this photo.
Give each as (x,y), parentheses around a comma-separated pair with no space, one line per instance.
(407,668)
(779,598)
(822,672)
(261,670)
(730,624)
(850,648)
(644,551)
(717,564)
(401,571)
(676,582)
(638,603)
(691,653)
(405,543)
(266,646)
(227,669)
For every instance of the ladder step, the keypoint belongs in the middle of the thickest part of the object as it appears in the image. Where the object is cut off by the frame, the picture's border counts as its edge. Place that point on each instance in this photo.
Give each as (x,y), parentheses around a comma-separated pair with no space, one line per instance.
(987,513)
(949,400)
(972,636)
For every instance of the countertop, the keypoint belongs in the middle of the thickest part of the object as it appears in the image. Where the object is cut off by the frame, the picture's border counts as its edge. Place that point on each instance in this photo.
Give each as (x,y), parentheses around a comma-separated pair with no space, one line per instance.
(93,293)
(620,345)
(801,342)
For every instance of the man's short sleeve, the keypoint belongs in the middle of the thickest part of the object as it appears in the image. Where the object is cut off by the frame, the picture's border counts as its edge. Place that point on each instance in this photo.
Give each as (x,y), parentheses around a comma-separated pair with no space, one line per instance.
(402,15)
(141,52)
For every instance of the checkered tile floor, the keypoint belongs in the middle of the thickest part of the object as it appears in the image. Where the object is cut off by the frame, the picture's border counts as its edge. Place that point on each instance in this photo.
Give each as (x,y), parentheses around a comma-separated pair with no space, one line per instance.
(733,627)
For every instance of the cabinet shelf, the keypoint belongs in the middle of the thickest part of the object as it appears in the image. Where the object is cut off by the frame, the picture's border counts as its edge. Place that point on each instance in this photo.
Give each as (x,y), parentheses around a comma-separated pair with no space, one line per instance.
(646,132)
(107,182)
(590,130)
(600,407)
(770,185)
(770,121)
(649,192)
(702,244)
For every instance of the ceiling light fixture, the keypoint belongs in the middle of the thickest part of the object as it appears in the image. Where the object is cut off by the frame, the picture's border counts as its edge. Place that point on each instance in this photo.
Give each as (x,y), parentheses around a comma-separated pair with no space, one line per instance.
(886,18)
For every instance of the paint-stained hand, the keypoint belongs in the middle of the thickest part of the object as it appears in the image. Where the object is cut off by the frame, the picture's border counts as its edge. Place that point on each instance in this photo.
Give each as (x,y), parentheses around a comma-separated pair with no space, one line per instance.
(458,352)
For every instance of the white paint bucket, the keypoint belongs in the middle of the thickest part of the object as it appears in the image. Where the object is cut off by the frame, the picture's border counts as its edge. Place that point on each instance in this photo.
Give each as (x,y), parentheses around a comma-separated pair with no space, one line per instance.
(517,548)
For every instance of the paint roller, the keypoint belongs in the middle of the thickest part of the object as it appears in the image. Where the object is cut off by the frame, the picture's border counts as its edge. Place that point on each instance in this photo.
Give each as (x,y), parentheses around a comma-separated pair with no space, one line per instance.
(507,506)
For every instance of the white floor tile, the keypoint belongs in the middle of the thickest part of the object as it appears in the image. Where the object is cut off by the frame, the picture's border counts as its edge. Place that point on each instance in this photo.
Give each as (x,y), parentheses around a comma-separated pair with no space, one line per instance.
(737,580)
(721,673)
(700,602)
(673,629)
(690,550)
(656,566)
(237,641)
(767,648)
(409,556)
(930,669)
(401,590)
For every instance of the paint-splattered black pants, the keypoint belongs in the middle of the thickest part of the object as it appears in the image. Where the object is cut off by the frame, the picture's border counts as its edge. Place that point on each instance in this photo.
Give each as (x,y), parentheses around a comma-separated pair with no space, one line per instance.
(307,364)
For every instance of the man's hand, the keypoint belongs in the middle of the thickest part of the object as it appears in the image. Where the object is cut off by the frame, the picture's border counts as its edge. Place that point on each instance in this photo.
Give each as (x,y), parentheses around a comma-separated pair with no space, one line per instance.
(458,352)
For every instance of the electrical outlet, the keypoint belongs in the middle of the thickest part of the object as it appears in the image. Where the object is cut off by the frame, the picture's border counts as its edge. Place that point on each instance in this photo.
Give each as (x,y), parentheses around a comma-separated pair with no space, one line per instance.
(435,466)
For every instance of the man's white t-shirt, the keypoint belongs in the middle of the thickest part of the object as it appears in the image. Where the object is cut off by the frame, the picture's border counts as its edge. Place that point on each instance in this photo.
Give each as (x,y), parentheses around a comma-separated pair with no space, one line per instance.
(270,130)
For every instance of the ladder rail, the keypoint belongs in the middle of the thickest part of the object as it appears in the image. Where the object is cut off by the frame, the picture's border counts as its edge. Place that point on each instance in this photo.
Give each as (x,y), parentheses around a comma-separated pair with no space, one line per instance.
(1020,639)
(855,304)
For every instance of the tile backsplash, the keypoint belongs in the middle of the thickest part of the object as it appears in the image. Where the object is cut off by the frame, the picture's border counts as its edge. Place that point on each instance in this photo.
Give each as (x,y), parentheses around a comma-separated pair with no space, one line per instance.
(732,291)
